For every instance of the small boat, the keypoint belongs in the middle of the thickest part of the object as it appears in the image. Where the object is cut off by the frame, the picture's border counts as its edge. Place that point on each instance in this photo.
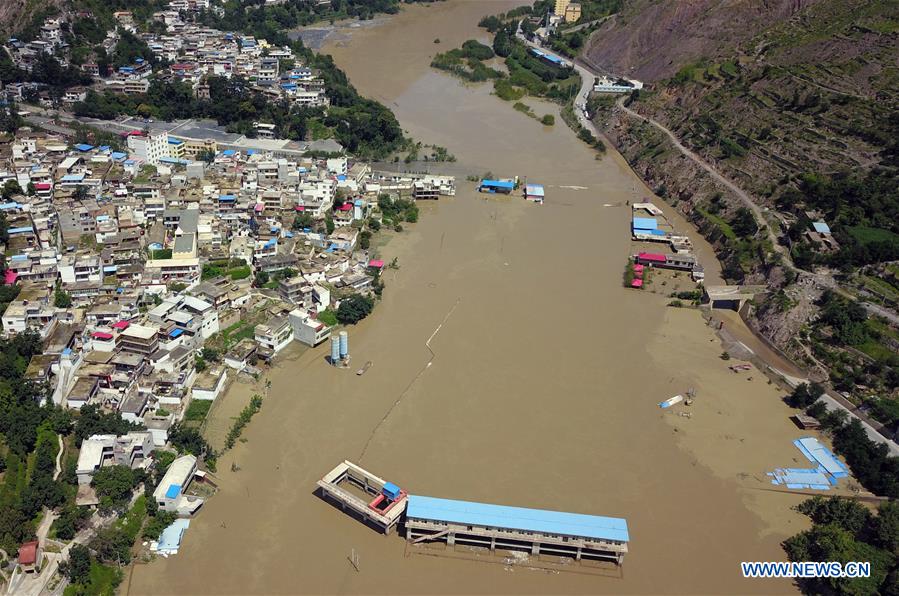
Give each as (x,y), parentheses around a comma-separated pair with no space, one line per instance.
(671,401)
(362,370)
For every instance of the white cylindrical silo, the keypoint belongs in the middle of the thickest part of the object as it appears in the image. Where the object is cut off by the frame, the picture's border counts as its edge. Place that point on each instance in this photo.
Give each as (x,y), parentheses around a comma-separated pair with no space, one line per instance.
(335,350)
(344,344)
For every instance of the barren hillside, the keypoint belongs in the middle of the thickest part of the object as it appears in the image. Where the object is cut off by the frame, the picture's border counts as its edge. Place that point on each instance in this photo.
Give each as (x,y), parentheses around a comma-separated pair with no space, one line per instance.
(653,39)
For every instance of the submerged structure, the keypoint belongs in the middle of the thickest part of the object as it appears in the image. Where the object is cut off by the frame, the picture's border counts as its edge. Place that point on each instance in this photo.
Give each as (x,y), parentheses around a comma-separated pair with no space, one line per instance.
(536,531)
(374,499)
(481,525)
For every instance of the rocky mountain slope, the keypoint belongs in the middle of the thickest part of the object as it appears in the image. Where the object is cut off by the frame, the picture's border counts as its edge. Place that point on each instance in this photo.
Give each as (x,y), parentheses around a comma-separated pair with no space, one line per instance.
(652,39)
(797,103)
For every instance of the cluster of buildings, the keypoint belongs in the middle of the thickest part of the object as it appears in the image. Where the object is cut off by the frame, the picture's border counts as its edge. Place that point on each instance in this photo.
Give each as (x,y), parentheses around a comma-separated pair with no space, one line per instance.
(130,263)
(567,11)
(646,227)
(190,53)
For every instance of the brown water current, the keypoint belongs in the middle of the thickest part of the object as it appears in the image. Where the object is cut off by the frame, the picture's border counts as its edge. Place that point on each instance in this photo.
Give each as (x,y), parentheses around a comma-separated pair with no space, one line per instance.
(540,388)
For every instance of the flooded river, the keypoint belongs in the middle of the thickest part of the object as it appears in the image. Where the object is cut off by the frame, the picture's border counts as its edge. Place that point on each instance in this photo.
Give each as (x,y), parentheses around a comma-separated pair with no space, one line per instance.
(540,388)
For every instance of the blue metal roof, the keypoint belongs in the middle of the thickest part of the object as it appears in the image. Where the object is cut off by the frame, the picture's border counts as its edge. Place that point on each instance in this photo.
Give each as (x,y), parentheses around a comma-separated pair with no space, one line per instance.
(19,230)
(84,147)
(175,333)
(517,518)
(821,227)
(645,223)
(498,183)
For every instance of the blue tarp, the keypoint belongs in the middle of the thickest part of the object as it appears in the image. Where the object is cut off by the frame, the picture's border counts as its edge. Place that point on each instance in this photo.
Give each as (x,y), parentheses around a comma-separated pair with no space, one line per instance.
(175,333)
(821,455)
(517,518)
(227,198)
(821,227)
(173,491)
(170,539)
(228,152)
(84,147)
(21,230)
(796,478)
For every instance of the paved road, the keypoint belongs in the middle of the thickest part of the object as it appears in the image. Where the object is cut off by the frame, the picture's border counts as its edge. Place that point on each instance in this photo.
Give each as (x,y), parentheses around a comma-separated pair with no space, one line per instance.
(585,25)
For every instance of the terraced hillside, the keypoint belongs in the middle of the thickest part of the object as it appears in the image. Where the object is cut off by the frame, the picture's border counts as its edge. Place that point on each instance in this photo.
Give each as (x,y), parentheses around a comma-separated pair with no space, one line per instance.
(801,113)
(804,115)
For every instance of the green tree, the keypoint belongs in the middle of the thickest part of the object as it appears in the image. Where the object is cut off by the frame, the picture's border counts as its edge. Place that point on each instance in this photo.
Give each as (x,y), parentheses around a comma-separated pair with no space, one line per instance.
(10,189)
(805,395)
(62,299)
(188,440)
(354,308)
(886,526)
(78,566)
(113,485)
(846,513)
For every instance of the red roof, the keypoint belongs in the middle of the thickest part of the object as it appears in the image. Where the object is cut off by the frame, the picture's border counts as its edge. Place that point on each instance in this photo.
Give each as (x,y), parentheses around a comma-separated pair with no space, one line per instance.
(638,268)
(42,186)
(101,335)
(637,283)
(121,325)
(376,263)
(10,277)
(345,207)
(300,208)
(639,273)
(28,553)
(653,257)
(259,207)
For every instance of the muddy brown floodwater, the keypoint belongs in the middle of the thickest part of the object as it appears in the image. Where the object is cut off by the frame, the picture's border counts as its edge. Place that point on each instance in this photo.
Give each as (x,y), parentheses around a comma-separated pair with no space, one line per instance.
(542,389)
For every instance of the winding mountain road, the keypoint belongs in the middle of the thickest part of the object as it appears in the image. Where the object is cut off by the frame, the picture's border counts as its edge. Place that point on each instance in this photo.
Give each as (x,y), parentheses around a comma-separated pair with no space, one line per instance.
(744,197)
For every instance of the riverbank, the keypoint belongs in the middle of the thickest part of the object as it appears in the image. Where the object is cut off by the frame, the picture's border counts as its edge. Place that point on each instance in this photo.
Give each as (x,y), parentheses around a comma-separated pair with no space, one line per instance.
(542,388)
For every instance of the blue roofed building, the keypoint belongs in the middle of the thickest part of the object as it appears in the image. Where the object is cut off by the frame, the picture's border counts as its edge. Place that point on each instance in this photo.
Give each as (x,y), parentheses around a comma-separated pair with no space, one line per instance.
(821,236)
(170,494)
(493,186)
(538,531)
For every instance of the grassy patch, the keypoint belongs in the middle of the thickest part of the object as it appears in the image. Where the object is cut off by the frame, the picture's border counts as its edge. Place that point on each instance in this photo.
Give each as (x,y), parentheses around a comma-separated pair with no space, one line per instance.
(197,410)
(867,235)
(719,223)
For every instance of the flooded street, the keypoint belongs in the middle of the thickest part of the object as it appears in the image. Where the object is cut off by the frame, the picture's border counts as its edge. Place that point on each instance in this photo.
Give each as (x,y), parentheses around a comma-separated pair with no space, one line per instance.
(540,388)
